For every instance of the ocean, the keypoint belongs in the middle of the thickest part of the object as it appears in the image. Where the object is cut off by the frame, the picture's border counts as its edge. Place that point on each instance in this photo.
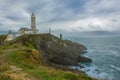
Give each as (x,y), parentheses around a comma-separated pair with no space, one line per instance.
(105,52)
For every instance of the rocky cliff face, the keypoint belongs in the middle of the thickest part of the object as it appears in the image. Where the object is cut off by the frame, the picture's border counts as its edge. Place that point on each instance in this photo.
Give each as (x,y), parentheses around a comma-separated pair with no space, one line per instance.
(18,62)
(54,50)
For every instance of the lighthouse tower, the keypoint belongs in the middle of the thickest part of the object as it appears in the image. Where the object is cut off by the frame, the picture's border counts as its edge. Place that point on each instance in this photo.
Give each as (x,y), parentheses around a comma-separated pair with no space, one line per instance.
(33,29)
(33,21)
(33,24)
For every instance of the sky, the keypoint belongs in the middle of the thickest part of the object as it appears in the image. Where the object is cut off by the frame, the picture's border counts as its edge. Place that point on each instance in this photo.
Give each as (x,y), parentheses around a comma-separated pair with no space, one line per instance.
(61,15)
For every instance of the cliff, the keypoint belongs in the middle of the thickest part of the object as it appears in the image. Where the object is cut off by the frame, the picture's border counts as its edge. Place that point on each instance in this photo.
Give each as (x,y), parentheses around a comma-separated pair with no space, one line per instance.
(54,50)
(41,57)
(23,63)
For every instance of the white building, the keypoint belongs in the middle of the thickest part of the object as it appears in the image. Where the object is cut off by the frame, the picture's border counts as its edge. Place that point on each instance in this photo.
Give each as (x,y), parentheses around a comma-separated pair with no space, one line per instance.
(33,29)
(22,31)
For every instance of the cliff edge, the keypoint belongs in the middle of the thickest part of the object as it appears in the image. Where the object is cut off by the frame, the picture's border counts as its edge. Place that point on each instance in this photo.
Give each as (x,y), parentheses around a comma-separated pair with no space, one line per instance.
(41,57)
(53,49)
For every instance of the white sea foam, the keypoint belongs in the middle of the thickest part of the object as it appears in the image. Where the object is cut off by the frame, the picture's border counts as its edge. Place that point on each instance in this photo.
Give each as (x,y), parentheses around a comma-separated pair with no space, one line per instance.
(93,72)
(114,67)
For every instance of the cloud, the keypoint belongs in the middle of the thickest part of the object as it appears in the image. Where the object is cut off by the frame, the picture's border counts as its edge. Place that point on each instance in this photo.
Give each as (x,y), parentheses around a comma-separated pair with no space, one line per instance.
(68,15)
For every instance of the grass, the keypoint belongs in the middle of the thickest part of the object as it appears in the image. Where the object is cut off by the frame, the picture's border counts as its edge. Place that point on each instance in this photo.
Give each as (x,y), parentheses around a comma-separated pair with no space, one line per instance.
(1,51)
(28,60)
(3,68)
(31,62)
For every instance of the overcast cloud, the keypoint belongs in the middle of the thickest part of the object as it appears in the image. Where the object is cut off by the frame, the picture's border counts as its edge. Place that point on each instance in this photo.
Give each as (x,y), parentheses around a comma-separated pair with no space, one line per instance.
(68,15)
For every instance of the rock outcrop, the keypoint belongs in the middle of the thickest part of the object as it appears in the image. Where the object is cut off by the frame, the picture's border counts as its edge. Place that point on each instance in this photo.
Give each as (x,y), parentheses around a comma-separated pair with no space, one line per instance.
(53,49)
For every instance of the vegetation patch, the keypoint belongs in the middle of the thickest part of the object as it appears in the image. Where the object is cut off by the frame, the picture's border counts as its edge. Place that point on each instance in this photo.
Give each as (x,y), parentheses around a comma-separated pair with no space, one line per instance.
(30,61)
(27,59)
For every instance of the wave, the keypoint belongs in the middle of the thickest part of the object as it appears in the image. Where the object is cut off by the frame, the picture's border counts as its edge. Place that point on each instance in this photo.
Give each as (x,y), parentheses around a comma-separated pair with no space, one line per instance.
(114,67)
(94,72)
(105,52)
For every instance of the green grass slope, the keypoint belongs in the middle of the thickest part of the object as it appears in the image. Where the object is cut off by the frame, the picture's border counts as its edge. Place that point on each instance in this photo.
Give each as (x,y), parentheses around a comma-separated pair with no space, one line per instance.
(23,63)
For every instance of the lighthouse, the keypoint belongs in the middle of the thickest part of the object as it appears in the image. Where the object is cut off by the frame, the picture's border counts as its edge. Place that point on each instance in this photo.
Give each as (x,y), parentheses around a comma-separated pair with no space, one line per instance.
(33,21)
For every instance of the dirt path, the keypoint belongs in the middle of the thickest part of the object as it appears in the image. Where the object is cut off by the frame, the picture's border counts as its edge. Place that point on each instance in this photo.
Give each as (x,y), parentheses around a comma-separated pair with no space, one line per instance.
(3,56)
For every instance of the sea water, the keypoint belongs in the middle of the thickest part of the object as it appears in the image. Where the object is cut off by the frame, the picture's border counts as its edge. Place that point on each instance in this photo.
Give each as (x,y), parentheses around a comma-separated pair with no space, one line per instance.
(105,52)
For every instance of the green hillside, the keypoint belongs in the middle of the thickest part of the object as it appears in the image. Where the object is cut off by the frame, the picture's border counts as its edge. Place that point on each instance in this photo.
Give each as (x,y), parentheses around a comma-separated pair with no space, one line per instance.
(28,61)
(25,62)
